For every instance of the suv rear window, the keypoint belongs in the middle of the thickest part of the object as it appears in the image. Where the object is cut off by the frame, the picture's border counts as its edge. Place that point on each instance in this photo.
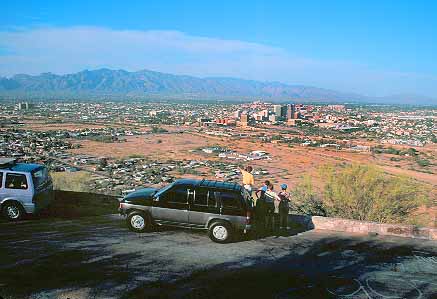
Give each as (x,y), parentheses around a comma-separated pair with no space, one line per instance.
(40,177)
(230,199)
(16,181)
(213,198)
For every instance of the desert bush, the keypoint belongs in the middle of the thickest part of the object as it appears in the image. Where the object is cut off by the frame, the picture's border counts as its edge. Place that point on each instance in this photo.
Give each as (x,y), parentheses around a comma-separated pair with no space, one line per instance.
(156,130)
(423,162)
(71,181)
(365,192)
(304,199)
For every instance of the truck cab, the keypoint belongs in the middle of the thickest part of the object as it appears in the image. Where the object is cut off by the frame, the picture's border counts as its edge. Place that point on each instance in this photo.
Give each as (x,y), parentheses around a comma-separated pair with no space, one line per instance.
(24,188)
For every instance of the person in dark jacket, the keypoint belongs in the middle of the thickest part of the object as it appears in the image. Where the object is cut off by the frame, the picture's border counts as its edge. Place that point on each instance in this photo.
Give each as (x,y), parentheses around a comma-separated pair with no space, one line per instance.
(272,221)
(261,212)
(284,207)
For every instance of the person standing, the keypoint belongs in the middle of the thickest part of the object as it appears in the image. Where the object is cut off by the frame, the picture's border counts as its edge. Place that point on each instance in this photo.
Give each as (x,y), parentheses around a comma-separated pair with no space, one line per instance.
(248,180)
(284,207)
(261,212)
(265,186)
(273,211)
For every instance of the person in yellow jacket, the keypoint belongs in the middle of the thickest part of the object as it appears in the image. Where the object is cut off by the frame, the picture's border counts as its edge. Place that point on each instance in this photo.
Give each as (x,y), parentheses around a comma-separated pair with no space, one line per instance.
(248,180)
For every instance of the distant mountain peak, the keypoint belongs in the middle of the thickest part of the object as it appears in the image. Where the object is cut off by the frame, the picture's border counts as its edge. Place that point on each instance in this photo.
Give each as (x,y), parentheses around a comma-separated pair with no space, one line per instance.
(144,83)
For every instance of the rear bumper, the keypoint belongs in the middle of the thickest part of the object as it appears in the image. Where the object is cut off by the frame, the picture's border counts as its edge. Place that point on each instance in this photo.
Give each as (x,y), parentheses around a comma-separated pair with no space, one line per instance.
(29,208)
(43,201)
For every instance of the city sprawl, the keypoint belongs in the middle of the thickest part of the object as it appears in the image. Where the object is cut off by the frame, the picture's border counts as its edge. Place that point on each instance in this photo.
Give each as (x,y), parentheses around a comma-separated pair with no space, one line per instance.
(124,146)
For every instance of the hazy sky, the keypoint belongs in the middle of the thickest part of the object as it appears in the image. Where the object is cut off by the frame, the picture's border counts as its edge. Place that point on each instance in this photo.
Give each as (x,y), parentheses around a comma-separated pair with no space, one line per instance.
(368,47)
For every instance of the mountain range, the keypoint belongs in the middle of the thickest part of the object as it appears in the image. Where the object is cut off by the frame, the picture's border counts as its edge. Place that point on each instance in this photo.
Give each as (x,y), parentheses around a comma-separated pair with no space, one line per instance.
(149,84)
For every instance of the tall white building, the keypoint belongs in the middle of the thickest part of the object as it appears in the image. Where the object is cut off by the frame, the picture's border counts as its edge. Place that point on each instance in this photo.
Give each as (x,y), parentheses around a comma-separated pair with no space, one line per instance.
(277,110)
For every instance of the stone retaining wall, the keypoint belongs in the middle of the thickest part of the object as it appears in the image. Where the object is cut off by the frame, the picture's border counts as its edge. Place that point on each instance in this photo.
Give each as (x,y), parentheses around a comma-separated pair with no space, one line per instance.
(365,227)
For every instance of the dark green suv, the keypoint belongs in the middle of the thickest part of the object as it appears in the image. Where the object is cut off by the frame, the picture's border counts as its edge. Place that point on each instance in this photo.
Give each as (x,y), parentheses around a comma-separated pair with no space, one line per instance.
(223,209)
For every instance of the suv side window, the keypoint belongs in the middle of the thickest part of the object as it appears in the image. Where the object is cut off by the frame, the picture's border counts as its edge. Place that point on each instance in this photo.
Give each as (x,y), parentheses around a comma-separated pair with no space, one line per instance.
(230,199)
(1,179)
(16,181)
(213,199)
(201,198)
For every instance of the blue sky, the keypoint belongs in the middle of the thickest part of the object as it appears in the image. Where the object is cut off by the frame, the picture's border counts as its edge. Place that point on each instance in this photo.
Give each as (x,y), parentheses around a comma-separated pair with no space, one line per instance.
(368,47)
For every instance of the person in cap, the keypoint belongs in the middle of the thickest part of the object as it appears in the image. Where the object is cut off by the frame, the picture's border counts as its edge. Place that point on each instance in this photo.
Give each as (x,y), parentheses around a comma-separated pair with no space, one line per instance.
(265,185)
(284,207)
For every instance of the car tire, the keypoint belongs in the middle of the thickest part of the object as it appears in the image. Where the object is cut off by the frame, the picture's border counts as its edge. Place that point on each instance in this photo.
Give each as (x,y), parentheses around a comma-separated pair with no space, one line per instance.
(13,211)
(220,232)
(139,222)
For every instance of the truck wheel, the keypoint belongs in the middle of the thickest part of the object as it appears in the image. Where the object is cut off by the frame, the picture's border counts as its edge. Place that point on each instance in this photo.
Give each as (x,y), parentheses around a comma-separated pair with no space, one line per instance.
(13,211)
(138,222)
(220,232)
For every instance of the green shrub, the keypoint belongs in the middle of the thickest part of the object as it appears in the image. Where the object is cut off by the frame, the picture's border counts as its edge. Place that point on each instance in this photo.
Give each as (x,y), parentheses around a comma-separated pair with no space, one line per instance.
(304,200)
(366,193)
(71,181)
(156,130)
(423,162)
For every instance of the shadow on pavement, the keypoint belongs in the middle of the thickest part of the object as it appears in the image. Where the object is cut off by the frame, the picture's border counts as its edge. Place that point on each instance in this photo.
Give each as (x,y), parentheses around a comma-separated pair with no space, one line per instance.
(102,256)
(330,268)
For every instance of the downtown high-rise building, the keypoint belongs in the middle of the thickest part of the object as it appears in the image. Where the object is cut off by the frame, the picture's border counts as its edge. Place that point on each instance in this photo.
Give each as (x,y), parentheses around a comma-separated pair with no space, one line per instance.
(277,110)
(290,111)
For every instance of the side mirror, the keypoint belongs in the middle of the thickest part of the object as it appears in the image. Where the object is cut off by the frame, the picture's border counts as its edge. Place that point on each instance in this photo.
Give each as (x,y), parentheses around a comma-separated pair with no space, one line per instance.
(156,198)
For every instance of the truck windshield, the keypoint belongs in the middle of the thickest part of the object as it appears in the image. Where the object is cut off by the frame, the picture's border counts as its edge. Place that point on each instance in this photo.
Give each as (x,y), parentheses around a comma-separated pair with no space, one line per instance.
(40,177)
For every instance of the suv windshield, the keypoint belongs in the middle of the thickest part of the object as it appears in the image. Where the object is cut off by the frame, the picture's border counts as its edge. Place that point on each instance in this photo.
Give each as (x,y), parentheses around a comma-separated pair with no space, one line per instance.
(163,190)
(39,177)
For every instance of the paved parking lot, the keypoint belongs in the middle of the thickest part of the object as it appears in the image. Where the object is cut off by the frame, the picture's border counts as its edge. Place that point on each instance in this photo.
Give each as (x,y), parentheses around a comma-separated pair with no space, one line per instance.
(98,257)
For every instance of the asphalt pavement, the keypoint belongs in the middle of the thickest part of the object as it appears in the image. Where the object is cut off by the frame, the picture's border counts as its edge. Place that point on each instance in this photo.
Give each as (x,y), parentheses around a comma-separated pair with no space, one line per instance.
(98,257)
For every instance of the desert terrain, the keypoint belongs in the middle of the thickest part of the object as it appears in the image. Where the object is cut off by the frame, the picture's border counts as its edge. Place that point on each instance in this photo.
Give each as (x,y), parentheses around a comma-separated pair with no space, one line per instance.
(287,164)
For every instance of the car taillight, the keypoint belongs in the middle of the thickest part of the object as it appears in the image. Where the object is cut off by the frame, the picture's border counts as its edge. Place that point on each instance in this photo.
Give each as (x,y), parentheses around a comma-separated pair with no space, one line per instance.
(248,217)
(120,206)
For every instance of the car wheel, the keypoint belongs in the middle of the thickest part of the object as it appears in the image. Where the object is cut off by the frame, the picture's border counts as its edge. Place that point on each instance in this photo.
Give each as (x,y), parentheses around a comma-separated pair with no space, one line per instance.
(138,222)
(13,211)
(220,232)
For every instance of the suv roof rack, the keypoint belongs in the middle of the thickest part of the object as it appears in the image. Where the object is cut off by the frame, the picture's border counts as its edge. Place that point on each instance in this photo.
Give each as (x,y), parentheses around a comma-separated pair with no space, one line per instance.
(219,184)
(7,162)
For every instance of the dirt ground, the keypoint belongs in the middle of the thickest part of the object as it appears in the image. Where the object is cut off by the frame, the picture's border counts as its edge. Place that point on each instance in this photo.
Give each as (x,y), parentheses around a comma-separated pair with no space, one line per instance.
(43,126)
(153,146)
(98,257)
(288,164)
